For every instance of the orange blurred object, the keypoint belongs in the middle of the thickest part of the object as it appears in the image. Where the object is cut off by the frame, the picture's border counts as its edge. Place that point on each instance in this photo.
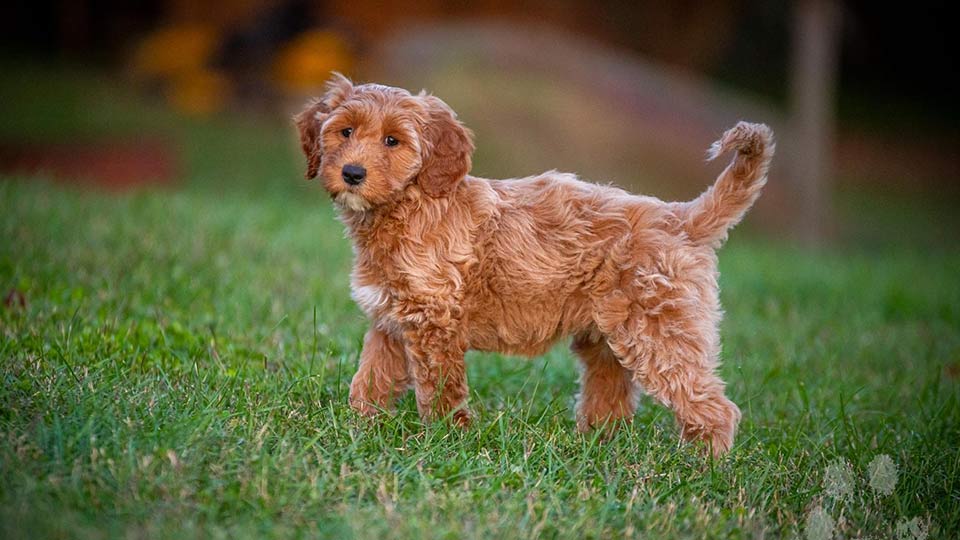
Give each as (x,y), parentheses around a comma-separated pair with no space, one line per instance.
(172,51)
(200,91)
(178,57)
(306,62)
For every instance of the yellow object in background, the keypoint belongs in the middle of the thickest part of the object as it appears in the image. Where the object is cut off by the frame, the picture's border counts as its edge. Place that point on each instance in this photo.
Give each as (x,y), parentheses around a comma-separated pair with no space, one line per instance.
(306,62)
(200,91)
(178,57)
(172,51)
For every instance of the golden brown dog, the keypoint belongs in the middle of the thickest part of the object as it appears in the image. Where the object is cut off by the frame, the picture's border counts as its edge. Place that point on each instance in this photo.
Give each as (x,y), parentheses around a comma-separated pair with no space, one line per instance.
(447,262)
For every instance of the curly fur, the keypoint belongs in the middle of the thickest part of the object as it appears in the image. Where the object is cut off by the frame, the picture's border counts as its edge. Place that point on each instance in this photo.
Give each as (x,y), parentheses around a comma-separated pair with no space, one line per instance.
(447,262)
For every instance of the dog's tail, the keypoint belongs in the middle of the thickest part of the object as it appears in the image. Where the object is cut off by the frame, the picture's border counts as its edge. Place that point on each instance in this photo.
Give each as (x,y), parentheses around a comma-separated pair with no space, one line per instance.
(707,218)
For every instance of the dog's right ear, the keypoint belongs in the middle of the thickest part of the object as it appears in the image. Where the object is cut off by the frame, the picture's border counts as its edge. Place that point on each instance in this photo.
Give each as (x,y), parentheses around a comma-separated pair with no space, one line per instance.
(310,121)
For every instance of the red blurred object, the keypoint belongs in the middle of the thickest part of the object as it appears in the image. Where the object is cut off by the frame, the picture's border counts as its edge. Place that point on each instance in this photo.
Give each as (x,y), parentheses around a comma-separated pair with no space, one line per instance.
(114,165)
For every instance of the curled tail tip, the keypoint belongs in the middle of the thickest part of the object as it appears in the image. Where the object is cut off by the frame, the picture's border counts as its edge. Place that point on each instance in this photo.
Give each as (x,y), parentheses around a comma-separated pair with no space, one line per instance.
(746,138)
(714,151)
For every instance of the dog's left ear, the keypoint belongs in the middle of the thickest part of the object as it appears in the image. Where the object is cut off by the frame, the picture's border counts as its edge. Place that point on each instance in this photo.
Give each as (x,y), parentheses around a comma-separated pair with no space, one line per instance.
(310,120)
(447,147)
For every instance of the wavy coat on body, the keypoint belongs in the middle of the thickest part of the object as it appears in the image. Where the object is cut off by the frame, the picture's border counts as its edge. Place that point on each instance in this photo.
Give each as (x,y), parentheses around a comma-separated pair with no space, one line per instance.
(446,262)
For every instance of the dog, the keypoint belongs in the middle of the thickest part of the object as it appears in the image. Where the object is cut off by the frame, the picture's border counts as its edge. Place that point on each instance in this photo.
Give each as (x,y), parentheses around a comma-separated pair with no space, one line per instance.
(446,262)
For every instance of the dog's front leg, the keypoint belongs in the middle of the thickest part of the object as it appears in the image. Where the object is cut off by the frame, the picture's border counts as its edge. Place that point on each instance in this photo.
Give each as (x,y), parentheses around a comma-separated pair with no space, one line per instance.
(382,375)
(439,375)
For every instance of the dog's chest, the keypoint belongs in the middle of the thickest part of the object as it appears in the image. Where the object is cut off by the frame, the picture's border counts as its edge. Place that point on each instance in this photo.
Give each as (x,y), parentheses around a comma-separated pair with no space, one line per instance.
(407,282)
(372,298)
(405,293)
(374,292)
(370,285)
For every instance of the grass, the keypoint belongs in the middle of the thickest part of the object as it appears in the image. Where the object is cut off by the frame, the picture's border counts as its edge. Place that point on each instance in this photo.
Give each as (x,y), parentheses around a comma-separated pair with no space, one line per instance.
(182,363)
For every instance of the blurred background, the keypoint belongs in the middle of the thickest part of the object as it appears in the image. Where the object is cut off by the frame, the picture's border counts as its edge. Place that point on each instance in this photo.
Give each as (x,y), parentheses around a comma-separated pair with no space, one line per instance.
(168,94)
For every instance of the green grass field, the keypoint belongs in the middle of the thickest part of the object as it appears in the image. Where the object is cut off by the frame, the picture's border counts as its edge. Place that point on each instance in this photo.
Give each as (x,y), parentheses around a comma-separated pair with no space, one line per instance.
(181,370)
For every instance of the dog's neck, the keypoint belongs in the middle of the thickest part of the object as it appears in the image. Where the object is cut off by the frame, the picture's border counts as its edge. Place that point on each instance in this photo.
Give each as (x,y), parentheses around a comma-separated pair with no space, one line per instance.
(381,222)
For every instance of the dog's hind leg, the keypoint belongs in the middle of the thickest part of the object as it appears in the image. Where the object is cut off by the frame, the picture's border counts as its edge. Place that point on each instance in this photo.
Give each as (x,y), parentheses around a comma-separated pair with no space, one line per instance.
(383,373)
(607,392)
(671,346)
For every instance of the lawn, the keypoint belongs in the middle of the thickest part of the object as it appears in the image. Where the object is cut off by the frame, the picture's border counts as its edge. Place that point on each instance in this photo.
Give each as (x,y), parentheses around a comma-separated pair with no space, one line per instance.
(181,364)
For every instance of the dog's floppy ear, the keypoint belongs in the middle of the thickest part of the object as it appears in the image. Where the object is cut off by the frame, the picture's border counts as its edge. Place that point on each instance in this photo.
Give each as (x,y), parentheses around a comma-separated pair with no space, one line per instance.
(310,120)
(447,148)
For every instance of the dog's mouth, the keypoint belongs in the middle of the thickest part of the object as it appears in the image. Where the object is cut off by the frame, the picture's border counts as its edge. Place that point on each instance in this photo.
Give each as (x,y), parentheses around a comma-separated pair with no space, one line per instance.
(352,201)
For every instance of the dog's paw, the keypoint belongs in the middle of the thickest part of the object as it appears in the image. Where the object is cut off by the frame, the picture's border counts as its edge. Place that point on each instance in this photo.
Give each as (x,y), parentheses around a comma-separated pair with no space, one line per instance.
(716,428)
(607,426)
(365,408)
(462,418)
(719,443)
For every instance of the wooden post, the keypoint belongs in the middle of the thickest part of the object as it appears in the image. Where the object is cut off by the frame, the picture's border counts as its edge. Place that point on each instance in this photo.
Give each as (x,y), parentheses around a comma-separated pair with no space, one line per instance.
(816,32)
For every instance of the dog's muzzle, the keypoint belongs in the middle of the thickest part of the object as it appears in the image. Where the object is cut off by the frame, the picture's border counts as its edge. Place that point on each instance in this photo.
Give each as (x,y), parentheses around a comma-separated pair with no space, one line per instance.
(353,174)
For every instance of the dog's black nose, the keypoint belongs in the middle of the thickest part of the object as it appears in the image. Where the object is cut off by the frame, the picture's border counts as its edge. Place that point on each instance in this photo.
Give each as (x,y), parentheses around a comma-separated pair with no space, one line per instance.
(353,174)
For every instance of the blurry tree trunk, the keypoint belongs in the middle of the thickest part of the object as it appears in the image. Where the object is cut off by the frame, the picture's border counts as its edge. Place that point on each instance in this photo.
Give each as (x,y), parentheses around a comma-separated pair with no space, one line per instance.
(816,29)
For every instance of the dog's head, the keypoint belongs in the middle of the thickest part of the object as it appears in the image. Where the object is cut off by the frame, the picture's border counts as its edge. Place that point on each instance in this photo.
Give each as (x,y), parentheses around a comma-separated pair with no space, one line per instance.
(369,142)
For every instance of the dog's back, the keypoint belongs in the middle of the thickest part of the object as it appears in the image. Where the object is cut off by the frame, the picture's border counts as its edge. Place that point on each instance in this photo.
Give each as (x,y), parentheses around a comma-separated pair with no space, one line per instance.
(552,247)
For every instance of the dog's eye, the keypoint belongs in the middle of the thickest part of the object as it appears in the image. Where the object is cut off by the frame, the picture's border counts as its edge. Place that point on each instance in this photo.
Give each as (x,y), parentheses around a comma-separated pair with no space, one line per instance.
(346,132)
(390,141)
